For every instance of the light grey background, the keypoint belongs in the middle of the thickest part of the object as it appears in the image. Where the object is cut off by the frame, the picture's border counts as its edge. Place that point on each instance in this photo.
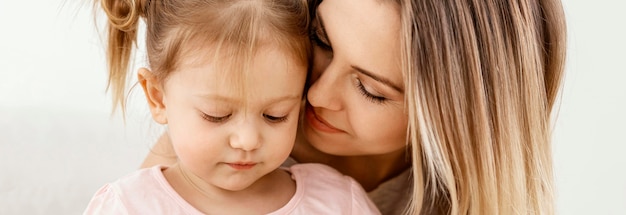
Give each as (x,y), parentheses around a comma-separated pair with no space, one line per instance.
(58,142)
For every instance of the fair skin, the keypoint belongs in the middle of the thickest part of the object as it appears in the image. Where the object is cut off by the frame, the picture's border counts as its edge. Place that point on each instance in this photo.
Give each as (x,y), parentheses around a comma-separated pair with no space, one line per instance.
(228,142)
(354,120)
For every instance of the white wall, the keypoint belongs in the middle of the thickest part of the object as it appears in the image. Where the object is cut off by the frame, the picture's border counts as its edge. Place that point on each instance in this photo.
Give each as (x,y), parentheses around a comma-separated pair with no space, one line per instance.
(58,143)
(590,142)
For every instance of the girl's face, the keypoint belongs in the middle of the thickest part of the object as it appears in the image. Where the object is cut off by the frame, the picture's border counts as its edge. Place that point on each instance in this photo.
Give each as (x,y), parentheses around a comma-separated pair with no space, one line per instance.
(227,137)
(356,98)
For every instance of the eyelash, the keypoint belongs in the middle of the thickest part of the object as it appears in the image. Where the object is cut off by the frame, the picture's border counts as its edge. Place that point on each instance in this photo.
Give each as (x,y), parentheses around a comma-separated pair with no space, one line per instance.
(274,119)
(318,42)
(269,118)
(372,98)
(215,119)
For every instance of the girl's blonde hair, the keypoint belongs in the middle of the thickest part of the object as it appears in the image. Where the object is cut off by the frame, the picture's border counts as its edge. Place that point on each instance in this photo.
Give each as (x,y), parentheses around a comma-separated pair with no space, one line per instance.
(235,29)
(482,78)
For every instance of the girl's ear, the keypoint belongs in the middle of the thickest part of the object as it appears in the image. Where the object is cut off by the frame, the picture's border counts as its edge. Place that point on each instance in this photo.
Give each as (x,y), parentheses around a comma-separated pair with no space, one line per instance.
(154,94)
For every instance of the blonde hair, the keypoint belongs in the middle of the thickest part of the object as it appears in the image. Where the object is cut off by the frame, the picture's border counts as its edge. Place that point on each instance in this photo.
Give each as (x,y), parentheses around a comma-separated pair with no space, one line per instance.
(177,29)
(482,78)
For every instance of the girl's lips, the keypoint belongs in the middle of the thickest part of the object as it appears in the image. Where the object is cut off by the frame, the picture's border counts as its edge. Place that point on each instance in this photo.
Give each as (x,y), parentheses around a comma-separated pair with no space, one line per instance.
(241,166)
(318,123)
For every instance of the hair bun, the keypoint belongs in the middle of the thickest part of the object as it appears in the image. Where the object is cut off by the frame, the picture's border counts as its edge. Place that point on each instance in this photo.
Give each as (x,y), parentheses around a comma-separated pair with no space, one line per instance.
(123,14)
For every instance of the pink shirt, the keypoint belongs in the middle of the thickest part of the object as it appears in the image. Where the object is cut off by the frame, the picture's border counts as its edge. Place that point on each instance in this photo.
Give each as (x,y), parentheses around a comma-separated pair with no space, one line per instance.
(319,190)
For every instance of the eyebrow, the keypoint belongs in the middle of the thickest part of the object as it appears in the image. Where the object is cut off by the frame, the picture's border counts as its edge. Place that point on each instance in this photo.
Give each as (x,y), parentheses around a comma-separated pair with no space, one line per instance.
(379,79)
(320,21)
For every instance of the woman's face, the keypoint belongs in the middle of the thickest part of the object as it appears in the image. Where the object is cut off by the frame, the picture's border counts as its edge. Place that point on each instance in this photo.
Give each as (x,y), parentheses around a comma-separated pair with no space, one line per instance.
(356,96)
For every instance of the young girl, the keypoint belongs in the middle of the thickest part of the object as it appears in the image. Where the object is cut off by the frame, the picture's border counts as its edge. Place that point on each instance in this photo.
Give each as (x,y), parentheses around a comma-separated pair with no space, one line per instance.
(227,79)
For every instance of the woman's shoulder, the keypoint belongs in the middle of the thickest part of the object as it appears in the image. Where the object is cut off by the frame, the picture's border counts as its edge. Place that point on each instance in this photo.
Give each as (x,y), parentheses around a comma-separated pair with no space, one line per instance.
(392,196)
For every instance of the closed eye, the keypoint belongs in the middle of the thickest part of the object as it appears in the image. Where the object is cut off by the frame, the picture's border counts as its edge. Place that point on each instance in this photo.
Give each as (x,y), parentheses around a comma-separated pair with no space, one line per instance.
(318,42)
(275,119)
(216,119)
(318,33)
(369,96)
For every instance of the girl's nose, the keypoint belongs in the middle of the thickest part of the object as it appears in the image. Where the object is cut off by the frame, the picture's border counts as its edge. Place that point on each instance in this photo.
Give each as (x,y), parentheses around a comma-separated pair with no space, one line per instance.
(246,136)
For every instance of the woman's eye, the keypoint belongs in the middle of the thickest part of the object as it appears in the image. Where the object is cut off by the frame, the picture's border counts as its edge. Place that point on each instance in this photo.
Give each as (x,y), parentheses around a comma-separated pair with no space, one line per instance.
(215,119)
(315,38)
(275,119)
(369,96)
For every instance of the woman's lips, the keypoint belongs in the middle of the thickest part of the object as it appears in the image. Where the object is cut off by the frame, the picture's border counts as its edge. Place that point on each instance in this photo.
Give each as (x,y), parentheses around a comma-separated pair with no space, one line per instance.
(318,123)
(241,166)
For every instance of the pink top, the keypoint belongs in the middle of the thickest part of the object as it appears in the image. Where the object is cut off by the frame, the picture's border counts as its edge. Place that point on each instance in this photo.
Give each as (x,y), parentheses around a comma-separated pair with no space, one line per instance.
(319,190)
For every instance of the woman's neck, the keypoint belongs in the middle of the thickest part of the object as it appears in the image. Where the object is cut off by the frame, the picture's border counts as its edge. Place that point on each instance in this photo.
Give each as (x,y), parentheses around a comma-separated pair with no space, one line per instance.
(369,170)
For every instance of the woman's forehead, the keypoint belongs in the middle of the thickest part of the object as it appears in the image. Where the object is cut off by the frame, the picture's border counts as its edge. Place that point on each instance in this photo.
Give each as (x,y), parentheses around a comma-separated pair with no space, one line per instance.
(364,34)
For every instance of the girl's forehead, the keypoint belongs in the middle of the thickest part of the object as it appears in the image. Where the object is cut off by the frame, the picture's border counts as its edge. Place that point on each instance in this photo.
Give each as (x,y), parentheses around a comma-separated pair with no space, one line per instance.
(229,56)
(210,72)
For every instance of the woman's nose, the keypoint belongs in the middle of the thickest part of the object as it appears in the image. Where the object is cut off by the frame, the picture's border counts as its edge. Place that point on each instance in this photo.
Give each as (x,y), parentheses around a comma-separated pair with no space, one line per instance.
(246,136)
(324,91)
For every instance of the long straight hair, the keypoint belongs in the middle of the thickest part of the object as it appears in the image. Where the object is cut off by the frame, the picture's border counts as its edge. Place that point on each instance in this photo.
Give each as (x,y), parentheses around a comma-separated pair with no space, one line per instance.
(482,78)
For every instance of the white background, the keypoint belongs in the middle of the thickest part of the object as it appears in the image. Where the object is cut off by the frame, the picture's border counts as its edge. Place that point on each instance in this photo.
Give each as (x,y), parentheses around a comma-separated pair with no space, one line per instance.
(58,142)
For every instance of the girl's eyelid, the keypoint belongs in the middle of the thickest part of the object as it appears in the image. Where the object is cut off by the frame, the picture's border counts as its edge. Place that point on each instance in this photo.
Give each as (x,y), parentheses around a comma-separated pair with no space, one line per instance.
(281,113)
(216,119)
(275,119)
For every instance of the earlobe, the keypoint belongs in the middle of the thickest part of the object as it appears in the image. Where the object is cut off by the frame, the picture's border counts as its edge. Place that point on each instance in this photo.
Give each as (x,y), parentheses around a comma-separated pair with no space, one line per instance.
(154,94)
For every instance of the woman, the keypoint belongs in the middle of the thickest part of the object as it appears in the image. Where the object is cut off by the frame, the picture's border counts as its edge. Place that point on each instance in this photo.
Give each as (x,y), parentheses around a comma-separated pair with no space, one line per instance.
(434,107)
